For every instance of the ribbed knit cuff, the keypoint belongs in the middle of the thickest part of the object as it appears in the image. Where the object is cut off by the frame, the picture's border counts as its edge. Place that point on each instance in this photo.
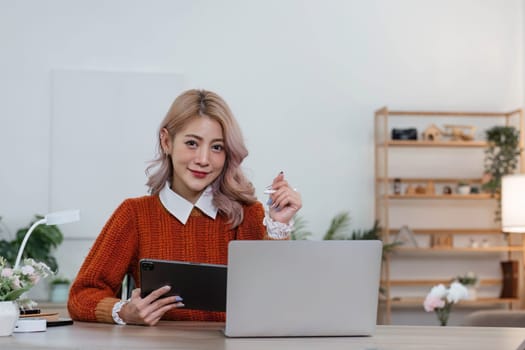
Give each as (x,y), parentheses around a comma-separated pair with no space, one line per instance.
(104,308)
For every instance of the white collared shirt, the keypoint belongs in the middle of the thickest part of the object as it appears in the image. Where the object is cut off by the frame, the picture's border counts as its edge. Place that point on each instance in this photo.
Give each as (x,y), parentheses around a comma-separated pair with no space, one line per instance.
(181,209)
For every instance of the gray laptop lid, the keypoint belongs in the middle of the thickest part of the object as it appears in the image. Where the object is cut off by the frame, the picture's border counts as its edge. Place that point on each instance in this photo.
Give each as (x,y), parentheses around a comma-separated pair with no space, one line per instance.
(302,288)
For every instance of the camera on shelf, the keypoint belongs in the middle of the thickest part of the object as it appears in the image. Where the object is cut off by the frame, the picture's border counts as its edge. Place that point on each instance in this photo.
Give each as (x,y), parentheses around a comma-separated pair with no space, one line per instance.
(404,134)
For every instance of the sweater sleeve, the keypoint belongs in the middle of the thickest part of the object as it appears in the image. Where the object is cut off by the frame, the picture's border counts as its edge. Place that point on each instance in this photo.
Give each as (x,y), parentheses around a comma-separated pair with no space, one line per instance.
(94,291)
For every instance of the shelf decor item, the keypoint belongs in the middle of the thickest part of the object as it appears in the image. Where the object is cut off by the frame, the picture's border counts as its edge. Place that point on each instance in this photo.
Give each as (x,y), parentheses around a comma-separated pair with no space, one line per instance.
(432,133)
(510,285)
(404,134)
(440,300)
(463,187)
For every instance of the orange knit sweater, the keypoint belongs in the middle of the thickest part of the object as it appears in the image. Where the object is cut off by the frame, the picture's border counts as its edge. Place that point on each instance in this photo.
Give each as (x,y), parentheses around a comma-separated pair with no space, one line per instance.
(143,228)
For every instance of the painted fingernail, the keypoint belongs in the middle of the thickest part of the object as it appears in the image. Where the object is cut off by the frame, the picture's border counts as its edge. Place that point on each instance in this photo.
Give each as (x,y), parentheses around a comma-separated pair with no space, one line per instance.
(281,172)
(178,298)
(167,287)
(179,305)
(269,201)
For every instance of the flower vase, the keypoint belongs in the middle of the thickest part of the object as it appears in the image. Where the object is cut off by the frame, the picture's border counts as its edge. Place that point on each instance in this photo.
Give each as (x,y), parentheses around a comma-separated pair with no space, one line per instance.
(9,312)
(443,313)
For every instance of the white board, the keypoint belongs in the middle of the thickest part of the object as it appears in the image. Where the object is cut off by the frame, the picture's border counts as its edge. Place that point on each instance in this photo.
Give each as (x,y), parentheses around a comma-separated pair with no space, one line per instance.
(103,134)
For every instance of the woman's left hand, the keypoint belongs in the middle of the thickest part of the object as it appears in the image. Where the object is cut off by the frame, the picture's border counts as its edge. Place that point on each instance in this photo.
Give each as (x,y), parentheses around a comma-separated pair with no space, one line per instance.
(285,202)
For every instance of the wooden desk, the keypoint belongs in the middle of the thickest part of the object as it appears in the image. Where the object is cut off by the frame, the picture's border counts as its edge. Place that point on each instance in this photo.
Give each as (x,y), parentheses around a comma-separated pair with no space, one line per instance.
(198,335)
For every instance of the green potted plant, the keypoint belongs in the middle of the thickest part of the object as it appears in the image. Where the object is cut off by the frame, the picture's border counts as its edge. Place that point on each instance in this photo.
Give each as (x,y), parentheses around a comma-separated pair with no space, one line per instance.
(501,158)
(59,287)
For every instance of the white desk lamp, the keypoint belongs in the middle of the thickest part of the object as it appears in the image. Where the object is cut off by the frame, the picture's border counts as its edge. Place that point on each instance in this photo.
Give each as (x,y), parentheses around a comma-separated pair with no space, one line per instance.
(57,218)
(512,221)
(513,203)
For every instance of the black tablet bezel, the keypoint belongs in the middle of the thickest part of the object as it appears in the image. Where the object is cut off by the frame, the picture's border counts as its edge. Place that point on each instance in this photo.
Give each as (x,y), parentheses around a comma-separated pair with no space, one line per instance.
(202,286)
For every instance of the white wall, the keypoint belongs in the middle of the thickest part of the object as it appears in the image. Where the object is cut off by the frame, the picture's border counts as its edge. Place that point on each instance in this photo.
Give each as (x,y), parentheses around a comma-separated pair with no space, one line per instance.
(302,77)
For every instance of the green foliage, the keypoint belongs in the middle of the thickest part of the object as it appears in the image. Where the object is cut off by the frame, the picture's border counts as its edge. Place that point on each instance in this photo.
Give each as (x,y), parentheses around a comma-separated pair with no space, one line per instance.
(501,157)
(469,279)
(338,230)
(338,227)
(39,246)
(60,280)
(299,231)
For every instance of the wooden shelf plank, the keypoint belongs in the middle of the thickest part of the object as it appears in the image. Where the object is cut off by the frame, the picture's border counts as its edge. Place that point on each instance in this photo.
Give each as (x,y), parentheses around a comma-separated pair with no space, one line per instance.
(433,282)
(410,301)
(456,250)
(427,179)
(451,113)
(453,196)
(418,143)
(452,231)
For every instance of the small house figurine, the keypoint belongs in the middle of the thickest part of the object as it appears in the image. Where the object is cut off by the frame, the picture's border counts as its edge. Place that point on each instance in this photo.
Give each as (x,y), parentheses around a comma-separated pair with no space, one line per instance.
(432,133)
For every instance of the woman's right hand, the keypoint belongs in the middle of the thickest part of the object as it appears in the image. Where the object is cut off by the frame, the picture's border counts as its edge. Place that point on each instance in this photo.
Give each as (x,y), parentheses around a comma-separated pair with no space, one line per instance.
(149,310)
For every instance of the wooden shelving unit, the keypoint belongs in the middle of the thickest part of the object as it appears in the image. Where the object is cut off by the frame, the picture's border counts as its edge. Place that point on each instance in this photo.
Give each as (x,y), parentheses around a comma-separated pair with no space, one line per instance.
(385,199)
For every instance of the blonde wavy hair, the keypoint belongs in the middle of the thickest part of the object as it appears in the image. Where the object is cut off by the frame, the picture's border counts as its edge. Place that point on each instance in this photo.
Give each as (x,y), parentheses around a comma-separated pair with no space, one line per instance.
(231,189)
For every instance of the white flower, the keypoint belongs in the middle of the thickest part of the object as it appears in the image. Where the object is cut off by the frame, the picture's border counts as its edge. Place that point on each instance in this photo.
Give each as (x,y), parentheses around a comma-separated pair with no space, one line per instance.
(15,282)
(438,291)
(27,270)
(7,272)
(456,292)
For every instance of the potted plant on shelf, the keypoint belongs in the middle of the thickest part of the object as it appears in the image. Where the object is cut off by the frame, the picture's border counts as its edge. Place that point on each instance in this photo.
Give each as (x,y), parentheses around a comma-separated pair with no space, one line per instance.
(501,158)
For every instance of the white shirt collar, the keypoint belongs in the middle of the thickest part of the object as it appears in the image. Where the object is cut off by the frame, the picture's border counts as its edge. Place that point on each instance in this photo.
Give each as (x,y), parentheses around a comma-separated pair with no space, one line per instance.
(181,208)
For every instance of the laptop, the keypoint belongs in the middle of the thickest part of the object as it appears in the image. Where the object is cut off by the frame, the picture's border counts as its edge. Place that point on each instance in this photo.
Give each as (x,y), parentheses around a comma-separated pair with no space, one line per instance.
(302,288)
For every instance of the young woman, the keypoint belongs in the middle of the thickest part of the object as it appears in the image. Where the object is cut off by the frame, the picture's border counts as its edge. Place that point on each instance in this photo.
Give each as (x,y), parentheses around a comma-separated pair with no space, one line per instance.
(199,201)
